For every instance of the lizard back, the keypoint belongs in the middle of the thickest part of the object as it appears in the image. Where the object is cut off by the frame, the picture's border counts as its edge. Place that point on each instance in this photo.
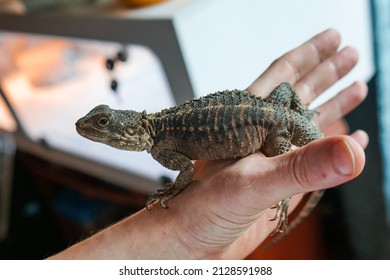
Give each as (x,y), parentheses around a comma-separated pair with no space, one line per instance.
(226,124)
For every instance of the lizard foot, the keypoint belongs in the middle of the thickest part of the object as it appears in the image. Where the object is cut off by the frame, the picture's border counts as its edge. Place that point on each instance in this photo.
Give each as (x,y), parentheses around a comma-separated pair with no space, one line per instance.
(281,216)
(160,196)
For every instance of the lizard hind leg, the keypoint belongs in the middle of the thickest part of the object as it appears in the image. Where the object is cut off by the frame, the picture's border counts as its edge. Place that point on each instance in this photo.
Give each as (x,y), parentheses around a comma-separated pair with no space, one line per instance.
(281,216)
(286,95)
(277,144)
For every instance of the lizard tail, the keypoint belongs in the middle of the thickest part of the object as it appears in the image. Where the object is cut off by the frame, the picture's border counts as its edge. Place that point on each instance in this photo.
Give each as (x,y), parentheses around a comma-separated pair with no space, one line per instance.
(310,204)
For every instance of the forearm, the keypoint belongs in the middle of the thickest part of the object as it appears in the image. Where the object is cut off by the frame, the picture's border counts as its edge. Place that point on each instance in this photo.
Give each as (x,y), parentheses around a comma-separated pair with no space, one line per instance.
(145,235)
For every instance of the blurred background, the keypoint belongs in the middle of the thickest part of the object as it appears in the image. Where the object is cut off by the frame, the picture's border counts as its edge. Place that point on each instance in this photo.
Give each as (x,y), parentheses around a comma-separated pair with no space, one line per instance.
(60,58)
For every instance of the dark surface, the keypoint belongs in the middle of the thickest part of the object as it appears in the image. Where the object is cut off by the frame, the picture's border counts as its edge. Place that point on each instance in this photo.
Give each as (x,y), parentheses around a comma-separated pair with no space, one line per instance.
(54,207)
(362,200)
(32,233)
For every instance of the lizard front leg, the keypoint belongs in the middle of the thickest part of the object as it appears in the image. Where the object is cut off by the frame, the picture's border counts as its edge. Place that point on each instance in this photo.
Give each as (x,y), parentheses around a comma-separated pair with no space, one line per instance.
(174,161)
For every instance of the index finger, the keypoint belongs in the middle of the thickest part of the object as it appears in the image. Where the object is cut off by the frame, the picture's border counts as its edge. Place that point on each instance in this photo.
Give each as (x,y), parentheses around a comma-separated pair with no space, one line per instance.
(295,64)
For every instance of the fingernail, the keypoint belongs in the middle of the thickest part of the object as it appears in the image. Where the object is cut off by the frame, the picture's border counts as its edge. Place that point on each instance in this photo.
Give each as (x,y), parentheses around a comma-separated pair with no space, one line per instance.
(343,158)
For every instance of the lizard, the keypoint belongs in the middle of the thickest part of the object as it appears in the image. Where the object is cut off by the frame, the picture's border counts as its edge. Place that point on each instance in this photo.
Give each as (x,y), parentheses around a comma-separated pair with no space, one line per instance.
(228,124)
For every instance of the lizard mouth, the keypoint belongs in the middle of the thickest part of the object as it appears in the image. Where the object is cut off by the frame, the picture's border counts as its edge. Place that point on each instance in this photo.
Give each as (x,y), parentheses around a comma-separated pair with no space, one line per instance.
(91,134)
(116,140)
(113,141)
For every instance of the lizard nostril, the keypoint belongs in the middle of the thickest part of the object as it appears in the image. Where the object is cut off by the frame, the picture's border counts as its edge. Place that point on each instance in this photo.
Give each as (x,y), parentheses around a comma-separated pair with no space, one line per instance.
(80,124)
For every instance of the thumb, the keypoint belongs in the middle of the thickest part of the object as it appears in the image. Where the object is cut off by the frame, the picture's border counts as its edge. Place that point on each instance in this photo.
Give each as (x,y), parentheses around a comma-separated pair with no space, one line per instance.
(322,164)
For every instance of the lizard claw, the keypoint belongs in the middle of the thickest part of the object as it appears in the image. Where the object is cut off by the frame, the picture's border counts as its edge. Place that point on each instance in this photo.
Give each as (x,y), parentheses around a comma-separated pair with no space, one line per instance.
(281,215)
(156,197)
(160,196)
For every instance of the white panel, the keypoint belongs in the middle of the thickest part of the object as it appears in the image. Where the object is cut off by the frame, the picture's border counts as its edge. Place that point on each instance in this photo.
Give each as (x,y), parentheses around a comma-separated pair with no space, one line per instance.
(67,91)
(228,43)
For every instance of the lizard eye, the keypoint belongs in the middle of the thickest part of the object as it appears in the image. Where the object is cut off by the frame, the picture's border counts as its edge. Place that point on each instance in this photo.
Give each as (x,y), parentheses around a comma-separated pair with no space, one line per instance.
(103,122)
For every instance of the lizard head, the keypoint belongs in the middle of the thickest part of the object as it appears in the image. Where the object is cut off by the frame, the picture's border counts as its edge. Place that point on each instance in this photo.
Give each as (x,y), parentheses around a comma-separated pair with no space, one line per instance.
(121,129)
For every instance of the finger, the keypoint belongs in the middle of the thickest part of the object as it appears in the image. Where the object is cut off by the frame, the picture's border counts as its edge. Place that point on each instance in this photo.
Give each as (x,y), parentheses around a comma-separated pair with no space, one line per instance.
(322,164)
(361,137)
(326,74)
(339,127)
(295,64)
(340,105)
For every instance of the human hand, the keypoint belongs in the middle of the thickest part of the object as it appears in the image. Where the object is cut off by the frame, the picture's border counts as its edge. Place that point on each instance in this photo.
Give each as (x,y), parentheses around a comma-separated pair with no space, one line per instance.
(224,213)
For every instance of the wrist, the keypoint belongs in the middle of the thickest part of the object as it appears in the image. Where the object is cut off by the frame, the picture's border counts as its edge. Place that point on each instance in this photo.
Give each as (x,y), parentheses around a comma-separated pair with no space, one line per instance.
(144,235)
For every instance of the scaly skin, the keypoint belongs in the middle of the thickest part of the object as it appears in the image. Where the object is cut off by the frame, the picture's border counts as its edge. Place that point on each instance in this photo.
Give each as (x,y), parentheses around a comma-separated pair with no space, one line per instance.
(223,125)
